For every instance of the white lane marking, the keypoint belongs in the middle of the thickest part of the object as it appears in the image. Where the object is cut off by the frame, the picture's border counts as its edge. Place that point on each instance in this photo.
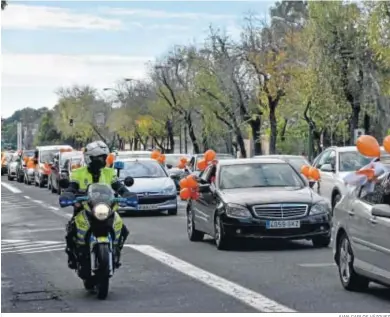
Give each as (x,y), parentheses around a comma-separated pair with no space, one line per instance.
(11,188)
(36,248)
(317,264)
(54,210)
(28,244)
(247,296)
(41,251)
(12,241)
(37,230)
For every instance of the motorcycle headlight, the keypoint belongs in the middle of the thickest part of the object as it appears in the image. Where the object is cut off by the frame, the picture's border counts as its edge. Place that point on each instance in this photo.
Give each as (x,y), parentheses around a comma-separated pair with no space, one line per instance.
(237,211)
(320,208)
(171,190)
(101,211)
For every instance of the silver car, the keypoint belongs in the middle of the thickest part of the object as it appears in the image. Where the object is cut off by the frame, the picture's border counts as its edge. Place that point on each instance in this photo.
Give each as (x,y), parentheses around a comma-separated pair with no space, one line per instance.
(334,164)
(361,244)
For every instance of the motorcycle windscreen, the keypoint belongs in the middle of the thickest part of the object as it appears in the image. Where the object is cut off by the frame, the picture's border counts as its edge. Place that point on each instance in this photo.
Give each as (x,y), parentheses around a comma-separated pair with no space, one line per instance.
(100,193)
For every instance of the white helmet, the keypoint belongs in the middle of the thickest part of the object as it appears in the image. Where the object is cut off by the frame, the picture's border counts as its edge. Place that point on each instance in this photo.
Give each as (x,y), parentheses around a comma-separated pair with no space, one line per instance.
(95,154)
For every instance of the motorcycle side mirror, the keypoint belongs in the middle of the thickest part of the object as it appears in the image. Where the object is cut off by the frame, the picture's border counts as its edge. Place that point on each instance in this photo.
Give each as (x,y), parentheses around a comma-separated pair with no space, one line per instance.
(64,183)
(129,181)
(169,166)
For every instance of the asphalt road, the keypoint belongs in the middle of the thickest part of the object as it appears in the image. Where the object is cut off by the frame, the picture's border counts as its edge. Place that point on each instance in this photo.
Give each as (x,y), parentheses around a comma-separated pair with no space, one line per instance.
(162,270)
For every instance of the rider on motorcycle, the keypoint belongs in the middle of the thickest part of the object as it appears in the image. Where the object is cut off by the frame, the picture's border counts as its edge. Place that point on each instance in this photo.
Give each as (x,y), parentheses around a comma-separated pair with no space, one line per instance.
(95,155)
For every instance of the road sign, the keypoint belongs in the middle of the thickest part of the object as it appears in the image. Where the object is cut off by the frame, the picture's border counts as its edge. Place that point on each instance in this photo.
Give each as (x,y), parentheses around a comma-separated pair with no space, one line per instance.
(358,133)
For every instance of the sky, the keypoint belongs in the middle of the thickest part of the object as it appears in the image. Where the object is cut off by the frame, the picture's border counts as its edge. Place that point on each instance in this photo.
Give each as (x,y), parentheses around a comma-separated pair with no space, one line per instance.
(50,44)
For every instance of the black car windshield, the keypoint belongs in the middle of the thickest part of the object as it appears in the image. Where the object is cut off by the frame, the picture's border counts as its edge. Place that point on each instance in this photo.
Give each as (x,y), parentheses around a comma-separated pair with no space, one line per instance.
(46,156)
(100,193)
(143,169)
(259,175)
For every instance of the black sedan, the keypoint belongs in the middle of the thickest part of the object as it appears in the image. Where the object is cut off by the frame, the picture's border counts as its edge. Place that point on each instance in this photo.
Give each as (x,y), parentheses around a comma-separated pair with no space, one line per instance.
(257,198)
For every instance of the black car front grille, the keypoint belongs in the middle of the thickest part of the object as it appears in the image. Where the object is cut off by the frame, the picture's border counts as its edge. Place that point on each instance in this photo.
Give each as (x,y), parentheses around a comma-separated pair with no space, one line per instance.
(280,211)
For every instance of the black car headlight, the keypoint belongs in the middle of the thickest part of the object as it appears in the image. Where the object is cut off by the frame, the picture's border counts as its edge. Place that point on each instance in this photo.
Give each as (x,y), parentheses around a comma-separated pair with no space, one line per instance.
(320,208)
(237,211)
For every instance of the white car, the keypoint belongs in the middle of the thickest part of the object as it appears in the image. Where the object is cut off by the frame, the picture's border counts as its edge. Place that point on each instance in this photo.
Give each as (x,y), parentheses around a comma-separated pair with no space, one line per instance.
(13,166)
(155,189)
(334,164)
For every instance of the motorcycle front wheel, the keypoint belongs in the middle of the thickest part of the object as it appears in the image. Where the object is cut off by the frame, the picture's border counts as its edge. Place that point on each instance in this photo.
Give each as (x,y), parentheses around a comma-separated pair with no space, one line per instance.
(103,275)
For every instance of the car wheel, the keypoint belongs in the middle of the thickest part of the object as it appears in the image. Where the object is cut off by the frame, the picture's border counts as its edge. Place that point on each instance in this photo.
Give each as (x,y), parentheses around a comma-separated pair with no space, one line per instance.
(41,184)
(222,241)
(193,234)
(321,241)
(53,190)
(350,280)
(172,212)
(10,178)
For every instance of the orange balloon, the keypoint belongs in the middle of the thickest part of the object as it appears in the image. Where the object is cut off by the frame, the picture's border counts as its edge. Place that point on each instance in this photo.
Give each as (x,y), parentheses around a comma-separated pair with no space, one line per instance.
(368,146)
(110,159)
(386,144)
(185,193)
(195,195)
(314,173)
(183,183)
(155,154)
(183,160)
(305,170)
(209,155)
(191,182)
(181,165)
(30,163)
(202,164)
(161,159)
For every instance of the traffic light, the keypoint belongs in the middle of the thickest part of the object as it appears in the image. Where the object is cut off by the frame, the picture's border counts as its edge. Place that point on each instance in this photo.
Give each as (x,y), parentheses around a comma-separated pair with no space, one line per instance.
(71,122)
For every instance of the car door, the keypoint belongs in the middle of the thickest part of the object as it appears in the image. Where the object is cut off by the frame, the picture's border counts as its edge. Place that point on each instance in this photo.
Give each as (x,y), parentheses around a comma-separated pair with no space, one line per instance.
(200,206)
(379,238)
(361,229)
(318,162)
(328,178)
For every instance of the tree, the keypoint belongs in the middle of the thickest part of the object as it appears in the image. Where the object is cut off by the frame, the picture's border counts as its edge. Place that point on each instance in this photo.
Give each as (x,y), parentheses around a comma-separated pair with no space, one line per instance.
(47,133)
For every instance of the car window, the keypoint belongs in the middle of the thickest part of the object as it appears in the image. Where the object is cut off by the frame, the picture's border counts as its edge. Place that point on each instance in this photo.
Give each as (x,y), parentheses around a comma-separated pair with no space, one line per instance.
(352,161)
(321,159)
(259,175)
(331,158)
(143,169)
(297,163)
(381,193)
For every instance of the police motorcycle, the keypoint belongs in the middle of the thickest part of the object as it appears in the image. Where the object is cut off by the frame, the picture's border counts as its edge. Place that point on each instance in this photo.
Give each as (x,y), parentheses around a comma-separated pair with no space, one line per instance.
(98,231)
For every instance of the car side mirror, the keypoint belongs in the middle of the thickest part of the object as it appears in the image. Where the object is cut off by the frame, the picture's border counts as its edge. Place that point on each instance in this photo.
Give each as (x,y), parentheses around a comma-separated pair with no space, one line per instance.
(327,168)
(64,183)
(169,166)
(381,210)
(129,181)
